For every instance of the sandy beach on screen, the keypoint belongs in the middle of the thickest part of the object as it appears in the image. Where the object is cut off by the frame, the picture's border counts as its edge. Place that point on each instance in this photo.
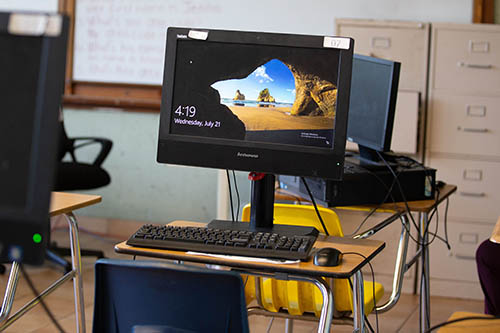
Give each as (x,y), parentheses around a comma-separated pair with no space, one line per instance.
(278,118)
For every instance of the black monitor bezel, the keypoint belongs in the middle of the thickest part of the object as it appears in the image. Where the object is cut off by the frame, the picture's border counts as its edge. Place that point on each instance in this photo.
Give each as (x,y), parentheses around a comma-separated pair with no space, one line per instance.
(383,145)
(280,158)
(19,224)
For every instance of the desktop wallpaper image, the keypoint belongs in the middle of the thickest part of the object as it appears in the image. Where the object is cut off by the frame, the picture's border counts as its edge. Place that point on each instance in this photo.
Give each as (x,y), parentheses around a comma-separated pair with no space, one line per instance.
(255,93)
(265,99)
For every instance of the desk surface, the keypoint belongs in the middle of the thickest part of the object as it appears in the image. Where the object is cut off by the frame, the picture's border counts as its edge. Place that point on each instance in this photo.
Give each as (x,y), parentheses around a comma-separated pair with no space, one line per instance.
(350,263)
(471,326)
(423,206)
(62,203)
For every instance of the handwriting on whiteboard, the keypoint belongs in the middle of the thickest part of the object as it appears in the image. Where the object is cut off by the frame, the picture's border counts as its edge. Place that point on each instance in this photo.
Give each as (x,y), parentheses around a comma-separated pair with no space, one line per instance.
(123,41)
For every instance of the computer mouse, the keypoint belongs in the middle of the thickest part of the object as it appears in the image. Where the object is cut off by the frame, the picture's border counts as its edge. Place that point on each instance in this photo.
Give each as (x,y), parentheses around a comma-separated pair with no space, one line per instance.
(327,256)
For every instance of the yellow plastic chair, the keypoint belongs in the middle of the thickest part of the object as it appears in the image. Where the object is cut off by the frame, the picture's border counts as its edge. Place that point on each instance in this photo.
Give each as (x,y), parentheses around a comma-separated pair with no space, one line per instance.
(299,297)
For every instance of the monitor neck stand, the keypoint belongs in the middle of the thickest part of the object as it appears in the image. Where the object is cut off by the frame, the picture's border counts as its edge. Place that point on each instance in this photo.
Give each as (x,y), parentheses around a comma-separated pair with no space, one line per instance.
(369,159)
(262,211)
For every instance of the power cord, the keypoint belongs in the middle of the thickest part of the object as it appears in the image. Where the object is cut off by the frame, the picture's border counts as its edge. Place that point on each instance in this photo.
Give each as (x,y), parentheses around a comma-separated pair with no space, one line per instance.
(37,295)
(315,206)
(237,195)
(420,243)
(230,195)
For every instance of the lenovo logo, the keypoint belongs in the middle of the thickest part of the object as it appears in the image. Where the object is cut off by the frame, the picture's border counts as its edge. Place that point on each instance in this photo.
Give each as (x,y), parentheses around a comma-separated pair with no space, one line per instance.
(247,155)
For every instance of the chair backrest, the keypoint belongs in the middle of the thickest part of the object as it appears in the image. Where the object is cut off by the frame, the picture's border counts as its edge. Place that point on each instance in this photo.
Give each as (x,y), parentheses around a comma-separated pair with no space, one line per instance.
(133,295)
(304,215)
(311,300)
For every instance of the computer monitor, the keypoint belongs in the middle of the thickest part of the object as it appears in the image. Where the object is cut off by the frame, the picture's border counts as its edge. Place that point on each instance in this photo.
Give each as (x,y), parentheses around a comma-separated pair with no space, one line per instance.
(32,66)
(374,88)
(260,102)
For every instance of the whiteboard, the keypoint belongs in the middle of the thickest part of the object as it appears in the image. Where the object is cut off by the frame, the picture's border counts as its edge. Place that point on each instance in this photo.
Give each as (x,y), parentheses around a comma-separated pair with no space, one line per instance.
(29,5)
(123,41)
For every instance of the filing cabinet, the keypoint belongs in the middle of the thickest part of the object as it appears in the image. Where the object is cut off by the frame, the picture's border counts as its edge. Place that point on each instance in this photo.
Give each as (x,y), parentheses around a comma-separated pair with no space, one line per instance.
(455,71)
(407,43)
(463,144)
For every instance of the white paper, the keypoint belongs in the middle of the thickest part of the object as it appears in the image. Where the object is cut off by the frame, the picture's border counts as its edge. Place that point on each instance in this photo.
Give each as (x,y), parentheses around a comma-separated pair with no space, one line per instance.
(195,34)
(247,259)
(337,42)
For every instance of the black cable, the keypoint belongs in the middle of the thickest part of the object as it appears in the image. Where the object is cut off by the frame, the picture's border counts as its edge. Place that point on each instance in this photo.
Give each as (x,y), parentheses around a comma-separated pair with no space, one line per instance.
(315,206)
(237,195)
(406,202)
(446,223)
(37,297)
(373,285)
(230,194)
(459,320)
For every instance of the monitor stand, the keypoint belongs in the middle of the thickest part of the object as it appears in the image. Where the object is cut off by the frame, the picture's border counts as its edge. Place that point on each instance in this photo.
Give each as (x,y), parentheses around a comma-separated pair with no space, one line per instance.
(262,211)
(369,159)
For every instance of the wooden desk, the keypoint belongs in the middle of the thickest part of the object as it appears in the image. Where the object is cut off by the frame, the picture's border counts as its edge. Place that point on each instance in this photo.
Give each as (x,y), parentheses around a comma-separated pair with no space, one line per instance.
(471,326)
(399,210)
(65,204)
(303,271)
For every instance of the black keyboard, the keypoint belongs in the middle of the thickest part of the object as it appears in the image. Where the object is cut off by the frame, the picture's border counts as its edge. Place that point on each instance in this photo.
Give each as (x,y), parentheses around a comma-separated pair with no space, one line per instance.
(225,241)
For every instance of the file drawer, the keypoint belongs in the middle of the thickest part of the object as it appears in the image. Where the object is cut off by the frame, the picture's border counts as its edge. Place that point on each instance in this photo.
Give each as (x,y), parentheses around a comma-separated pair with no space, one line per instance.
(477,197)
(465,124)
(407,45)
(467,58)
(459,263)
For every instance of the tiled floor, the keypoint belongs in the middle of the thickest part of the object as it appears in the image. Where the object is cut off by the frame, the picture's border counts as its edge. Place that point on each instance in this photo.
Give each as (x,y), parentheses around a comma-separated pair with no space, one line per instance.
(402,318)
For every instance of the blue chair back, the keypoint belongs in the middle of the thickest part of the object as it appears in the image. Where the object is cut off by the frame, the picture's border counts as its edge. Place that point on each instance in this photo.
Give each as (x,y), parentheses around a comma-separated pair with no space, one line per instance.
(131,296)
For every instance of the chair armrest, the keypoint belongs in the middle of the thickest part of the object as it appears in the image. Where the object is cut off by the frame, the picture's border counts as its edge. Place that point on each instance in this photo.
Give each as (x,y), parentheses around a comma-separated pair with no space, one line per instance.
(106,145)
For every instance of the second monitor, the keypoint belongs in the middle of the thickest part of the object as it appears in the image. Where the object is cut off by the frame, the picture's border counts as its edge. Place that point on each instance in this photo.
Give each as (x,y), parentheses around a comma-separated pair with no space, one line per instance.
(259,102)
(374,89)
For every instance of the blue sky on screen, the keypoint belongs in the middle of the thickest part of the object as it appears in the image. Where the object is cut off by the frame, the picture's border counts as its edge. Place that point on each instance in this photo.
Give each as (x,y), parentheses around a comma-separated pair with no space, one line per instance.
(273,75)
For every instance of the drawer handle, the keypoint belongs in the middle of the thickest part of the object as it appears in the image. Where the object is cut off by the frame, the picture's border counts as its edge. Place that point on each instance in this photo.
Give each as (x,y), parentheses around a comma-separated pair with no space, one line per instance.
(459,256)
(472,194)
(476,110)
(479,66)
(381,42)
(472,130)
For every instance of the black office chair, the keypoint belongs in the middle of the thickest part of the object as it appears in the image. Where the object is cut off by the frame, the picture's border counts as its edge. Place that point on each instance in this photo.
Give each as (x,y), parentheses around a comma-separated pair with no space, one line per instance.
(154,296)
(77,175)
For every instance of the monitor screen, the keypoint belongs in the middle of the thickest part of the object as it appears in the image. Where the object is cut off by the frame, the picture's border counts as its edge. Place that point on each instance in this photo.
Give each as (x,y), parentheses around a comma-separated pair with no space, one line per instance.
(274,103)
(372,106)
(32,63)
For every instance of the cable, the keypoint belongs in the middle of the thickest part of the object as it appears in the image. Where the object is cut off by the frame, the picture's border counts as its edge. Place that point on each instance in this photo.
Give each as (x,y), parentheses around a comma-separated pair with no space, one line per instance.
(388,193)
(230,194)
(446,223)
(406,202)
(373,286)
(237,195)
(315,206)
(459,320)
(37,297)
(270,325)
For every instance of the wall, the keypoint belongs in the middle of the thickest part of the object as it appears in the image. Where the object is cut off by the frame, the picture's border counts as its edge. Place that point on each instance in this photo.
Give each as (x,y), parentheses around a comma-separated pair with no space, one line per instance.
(30,5)
(497,11)
(144,190)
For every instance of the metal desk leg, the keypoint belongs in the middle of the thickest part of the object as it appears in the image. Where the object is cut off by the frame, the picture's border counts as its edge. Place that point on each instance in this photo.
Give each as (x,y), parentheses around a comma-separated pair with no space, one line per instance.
(10,292)
(77,269)
(358,302)
(325,319)
(424,277)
